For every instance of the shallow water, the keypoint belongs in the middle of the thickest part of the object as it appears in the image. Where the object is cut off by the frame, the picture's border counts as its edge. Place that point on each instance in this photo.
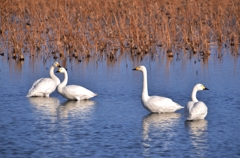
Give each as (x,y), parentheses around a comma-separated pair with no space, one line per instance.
(114,124)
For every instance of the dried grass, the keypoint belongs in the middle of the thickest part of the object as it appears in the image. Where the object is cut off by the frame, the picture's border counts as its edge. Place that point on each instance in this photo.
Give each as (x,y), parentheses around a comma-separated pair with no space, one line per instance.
(108,28)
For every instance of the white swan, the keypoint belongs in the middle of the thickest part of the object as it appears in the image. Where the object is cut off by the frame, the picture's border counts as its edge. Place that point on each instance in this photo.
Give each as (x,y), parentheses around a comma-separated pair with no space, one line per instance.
(196,110)
(73,92)
(155,104)
(43,87)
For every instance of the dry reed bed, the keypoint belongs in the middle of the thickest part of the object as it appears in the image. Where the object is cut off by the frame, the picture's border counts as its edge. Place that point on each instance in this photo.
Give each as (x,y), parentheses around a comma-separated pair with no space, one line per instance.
(110,28)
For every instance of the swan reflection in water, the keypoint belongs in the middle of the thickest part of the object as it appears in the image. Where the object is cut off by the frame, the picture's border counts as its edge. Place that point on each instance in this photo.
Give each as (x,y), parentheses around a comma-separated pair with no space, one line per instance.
(159,122)
(52,108)
(159,126)
(48,106)
(198,135)
(82,108)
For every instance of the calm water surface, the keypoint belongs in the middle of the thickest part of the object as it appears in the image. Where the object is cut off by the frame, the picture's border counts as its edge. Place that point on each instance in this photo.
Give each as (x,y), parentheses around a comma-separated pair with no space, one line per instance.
(114,124)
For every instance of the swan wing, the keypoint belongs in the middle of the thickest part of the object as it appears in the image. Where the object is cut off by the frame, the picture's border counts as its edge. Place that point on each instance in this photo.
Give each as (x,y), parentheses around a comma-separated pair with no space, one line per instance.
(197,110)
(77,92)
(188,107)
(162,104)
(42,87)
(34,84)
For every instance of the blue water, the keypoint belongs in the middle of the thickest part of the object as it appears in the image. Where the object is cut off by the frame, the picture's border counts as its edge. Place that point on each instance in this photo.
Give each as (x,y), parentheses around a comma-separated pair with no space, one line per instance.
(114,124)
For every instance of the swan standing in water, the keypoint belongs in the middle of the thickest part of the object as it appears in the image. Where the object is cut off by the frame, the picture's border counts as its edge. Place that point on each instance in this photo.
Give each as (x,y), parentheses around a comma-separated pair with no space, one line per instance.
(196,110)
(73,92)
(155,104)
(43,87)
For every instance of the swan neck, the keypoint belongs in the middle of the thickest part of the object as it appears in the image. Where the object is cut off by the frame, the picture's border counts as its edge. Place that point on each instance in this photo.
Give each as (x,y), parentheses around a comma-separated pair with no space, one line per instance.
(64,82)
(145,84)
(194,95)
(53,76)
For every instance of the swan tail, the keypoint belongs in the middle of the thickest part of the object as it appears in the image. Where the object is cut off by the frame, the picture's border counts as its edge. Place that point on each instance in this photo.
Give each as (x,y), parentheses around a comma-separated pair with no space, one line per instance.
(179,106)
(30,94)
(92,95)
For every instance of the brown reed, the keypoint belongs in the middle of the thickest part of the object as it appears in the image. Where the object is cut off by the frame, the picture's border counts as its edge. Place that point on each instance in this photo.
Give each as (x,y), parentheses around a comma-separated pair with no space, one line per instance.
(80,29)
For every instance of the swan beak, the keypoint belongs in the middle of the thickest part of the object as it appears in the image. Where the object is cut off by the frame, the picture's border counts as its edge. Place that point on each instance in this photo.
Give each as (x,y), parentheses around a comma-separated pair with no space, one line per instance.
(57,71)
(57,64)
(205,88)
(137,68)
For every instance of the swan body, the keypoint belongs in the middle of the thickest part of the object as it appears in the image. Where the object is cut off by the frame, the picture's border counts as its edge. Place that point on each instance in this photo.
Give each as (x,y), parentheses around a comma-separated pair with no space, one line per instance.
(73,92)
(155,104)
(196,110)
(43,87)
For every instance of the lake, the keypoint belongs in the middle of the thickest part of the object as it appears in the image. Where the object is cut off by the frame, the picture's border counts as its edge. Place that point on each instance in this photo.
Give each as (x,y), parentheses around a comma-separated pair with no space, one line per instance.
(114,123)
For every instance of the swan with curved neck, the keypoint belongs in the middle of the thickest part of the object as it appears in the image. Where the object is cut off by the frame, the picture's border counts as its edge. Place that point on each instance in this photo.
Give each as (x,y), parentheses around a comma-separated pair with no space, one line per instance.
(196,110)
(73,92)
(155,104)
(43,87)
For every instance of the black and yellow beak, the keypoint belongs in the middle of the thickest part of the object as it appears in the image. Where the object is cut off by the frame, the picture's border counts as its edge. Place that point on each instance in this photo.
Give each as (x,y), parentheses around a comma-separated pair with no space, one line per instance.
(137,68)
(58,71)
(204,88)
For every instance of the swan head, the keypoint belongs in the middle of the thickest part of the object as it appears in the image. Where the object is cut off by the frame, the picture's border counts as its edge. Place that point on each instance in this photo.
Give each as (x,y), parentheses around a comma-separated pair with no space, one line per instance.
(200,87)
(140,68)
(56,64)
(61,70)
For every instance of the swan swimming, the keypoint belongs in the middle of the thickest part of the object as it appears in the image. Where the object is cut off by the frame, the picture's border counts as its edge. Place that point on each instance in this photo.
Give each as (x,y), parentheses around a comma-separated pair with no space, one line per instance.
(73,92)
(43,87)
(155,104)
(196,110)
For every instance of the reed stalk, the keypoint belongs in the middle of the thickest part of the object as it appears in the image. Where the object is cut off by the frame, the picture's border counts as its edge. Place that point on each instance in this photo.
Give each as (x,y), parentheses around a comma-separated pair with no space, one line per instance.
(81,28)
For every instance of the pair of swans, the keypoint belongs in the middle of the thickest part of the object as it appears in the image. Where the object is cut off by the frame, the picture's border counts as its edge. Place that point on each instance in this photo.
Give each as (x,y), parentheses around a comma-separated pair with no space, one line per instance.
(43,87)
(156,104)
